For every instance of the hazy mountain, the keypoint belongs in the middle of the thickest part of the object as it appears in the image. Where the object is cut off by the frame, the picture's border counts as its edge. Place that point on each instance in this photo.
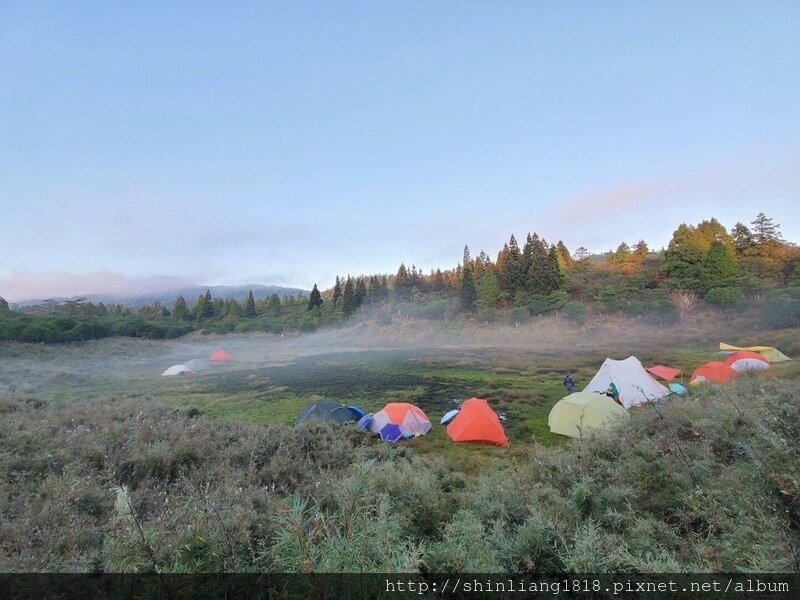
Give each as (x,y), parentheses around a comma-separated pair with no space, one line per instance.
(190,294)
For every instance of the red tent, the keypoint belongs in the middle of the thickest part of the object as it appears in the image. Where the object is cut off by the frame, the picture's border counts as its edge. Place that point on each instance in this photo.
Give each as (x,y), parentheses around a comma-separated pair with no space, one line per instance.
(667,373)
(477,422)
(219,355)
(715,372)
(744,360)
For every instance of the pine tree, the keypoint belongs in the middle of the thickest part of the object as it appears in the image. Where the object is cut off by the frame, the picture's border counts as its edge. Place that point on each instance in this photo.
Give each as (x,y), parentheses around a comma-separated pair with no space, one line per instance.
(468,293)
(360,292)
(208,305)
(719,268)
(764,231)
(489,292)
(402,283)
(742,239)
(640,252)
(683,258)
(180,311)
(581,254)
(315,299)
(250,305)
(4,305)
(337,292)
(349,298)
(564,258)
(622,258)
(511,274)
(539,276)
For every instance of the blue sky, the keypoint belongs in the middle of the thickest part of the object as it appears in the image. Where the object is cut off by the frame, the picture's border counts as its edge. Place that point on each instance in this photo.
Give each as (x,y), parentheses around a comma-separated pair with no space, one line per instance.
(289,142)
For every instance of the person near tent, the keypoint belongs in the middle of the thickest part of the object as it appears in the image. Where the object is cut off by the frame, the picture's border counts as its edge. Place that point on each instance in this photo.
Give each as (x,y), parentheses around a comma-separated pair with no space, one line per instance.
(613,392)
(569,383)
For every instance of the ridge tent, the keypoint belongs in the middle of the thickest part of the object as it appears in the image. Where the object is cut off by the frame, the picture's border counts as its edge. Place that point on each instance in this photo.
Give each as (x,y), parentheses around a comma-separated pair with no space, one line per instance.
(633,382)
(197,364)
(325,410)
(477,422)
(744,360)
(411,419)
(666,373)
(219,355)
(771,354)
(178,370)
(713,372)
(581,413)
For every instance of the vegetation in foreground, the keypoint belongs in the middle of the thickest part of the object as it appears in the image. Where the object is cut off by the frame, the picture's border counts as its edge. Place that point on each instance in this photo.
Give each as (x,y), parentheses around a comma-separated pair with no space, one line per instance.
(707,483)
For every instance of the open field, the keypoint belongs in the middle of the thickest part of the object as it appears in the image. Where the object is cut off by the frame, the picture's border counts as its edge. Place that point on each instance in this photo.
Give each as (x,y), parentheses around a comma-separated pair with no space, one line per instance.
(270,379)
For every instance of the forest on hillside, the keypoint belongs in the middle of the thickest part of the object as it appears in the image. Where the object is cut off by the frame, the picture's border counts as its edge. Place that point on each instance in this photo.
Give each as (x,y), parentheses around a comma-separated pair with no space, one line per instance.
(704,265)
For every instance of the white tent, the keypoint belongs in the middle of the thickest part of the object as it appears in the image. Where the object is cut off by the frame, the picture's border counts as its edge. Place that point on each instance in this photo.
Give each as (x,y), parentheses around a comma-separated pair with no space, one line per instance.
(634,383)
(178,370)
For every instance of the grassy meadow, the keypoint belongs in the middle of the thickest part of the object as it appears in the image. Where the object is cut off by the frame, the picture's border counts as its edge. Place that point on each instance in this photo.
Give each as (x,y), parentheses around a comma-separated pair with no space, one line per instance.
(197,440)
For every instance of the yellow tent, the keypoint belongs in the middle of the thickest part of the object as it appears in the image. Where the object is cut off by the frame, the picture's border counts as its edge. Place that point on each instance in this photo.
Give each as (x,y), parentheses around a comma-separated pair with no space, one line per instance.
(771,354)
(581,413)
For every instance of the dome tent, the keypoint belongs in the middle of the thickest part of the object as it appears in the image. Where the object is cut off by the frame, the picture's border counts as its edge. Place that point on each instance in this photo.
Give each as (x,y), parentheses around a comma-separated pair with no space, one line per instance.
(325,410)
(584,412)
(477,422)
(635,385)
(713,372)
(219,356)
(411,419)
(744,360)
(178,371)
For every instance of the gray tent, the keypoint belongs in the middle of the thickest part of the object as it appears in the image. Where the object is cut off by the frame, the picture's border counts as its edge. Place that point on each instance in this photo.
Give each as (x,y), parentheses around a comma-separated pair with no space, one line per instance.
(326,410)
(197,364)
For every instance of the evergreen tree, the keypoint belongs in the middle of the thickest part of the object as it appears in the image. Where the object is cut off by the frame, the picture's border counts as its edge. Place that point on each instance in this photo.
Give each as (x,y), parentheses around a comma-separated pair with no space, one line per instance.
(231,309)
(250,305)
(581,254)
(208,305)
(539,279)
(102,310)
(742,239)
(708,232)
(489,292)
(402,281)
(274,305)
(219,306)
(180,311)
(683,259)
(4,305)
(511,274)
(564,257)
(349,298)
(337,292)
(622,258)
(468,293)
(764,231)
(360,292)
(640,252)
(719,268)
(315,299)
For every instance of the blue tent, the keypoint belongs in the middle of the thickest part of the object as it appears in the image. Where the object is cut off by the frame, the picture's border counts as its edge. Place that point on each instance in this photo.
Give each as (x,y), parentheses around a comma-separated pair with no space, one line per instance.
(358,412)
(449,416)
(364,422)
(391,432)
(677,388)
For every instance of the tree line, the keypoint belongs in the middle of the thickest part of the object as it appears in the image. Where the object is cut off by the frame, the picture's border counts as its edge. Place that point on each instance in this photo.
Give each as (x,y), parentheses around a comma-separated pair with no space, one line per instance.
(703,263)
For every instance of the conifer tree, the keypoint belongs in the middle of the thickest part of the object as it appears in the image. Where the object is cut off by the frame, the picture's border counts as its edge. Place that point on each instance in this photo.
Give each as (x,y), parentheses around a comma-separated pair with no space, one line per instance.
(539,276)
(764,230)
(250,305)
(511,275)
(4,305)
(564,257)
(315,299)
(274,305)
(360,292)
(349,297)
(719,268)
(208,305)
(742,239)
(337,292)
(488,290)
(468,293)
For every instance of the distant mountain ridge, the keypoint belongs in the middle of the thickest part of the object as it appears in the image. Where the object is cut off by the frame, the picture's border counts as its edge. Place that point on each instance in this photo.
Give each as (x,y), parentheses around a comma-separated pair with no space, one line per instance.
(190,294)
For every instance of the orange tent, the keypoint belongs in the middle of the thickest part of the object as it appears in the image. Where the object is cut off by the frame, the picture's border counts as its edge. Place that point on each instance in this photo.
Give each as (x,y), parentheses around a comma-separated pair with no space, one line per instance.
(667,373)
(714,372)
(219,355)
(477,422)
(744,360)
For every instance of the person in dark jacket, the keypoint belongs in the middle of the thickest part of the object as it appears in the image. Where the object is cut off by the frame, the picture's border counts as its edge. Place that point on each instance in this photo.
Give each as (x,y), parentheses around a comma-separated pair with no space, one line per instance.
(568,382)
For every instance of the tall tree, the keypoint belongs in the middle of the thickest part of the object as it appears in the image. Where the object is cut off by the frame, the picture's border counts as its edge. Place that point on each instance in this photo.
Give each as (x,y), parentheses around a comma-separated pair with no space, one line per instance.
(719,268)
(315,299)
(360,292)
(208,305)
(489,291)
(337,292)
(274,305)
(683,258)
(250,305)
(180,311)
(349,297)
(564,257)
(581,254)
(764,230)
(511,274)
(539,279)
(742,239)
(468,294)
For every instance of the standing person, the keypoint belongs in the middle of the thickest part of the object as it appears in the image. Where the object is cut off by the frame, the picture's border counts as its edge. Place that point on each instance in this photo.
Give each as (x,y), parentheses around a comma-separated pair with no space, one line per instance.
(568,382)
